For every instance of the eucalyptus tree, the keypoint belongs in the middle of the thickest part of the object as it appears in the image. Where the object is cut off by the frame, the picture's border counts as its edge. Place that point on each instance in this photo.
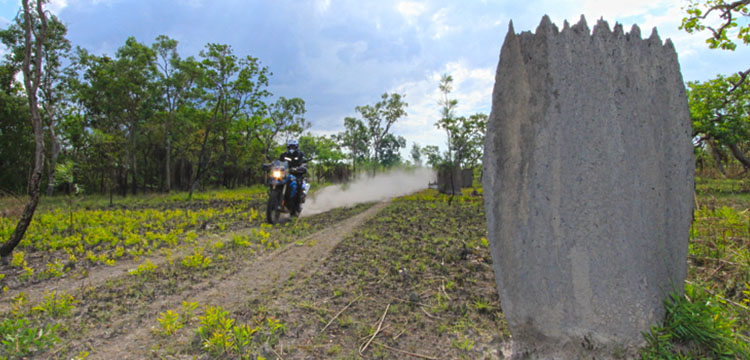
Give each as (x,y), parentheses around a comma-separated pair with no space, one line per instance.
(54,91)
(325,156)
(356,139)
(55,48)
(465,134)
(234,91)
(118,95)
(135,83)
(285,120)
(178,79)
(379,119)
(389,150)
(16,146)
(101,139)
(246,95)
(432,155)
(35,34)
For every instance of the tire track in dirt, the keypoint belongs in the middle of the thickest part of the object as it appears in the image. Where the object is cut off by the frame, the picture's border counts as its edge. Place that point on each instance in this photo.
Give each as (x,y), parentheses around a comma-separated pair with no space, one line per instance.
(132,338)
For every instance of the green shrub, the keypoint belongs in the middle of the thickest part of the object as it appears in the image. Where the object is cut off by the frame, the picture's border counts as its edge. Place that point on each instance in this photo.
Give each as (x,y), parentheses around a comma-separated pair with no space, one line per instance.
(697,325)
(20,339)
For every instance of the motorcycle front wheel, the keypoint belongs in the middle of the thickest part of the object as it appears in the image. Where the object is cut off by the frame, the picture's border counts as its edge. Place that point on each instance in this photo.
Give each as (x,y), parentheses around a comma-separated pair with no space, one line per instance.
(272,208)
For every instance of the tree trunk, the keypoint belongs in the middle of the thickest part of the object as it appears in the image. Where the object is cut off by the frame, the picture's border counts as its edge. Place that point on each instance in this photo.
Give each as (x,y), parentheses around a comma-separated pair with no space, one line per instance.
(167,173)
(201,157)
(717,158)
(32,77)
(739,156)
(134,160)
(55,151)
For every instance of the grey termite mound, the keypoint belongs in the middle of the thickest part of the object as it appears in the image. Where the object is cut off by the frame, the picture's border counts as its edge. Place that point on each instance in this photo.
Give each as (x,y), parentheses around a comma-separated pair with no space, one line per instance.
(588,185)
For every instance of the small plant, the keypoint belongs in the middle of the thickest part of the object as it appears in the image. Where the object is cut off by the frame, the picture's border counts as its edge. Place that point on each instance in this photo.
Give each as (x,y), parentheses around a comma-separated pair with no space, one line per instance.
(215,331)
(275,325)
(462,343)
(21,339)
(169,323)
(699,321)
(27,273)
(56,305)
(221,336)
(188,310)
(241,240)
(55,269)
(146,268)
(17,259)
(197,259)
(253,214)
(482,306)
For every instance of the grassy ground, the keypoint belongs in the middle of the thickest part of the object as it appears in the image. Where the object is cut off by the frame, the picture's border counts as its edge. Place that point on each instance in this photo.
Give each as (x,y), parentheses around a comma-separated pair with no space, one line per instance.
(417,279)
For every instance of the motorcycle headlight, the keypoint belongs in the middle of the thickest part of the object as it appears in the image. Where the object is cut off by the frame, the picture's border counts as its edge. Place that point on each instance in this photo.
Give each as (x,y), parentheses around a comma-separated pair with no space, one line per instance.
(276,174)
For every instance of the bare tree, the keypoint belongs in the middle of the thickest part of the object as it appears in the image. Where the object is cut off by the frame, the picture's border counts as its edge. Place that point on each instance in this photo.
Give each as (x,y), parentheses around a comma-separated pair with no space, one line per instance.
(32,72)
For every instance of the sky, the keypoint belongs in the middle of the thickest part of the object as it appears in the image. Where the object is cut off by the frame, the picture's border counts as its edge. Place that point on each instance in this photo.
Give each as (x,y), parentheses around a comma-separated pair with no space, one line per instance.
(337,55)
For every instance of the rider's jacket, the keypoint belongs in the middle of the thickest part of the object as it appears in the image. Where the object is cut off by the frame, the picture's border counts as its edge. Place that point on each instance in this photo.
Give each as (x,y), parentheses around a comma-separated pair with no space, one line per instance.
(295,158)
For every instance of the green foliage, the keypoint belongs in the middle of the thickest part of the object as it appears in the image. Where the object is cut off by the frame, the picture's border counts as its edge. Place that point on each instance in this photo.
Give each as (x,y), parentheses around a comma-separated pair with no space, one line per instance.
(698,321)
(356,139)
(197,259)
(465,135)
(56,305)
(462,343)
(378,120)
(222,336)
(20,339)
(147,267)
(719,111)
(726,22)
(169,323)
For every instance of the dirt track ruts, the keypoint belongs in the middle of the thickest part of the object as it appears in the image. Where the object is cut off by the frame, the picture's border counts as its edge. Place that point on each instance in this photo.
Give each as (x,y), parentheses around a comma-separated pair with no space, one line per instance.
(132,338)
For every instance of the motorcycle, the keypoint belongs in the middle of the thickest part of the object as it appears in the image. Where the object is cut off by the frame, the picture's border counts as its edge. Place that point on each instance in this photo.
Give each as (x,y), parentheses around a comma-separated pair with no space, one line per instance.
(282,190)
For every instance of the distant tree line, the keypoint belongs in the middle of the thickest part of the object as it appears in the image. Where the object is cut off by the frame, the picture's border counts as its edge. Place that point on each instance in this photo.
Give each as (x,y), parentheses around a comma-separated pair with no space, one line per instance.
(148,119)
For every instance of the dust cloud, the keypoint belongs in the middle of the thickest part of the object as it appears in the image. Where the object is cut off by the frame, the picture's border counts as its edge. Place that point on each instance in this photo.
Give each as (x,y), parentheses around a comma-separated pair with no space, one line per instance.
(367,188)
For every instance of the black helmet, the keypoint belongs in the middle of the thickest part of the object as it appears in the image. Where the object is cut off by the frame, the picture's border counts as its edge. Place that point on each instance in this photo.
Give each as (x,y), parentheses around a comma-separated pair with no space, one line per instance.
(292,144)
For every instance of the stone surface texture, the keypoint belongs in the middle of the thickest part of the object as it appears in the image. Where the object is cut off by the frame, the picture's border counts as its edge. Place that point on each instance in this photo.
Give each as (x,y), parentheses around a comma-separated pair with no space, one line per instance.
(588,183)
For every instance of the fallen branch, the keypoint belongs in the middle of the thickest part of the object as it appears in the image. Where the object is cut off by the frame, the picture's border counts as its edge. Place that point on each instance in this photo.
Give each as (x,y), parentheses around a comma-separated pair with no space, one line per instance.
(380,324)
(404,351)
(277,354)
(428,314)
(339,313)
(720,297)
(442,287)
(705,258)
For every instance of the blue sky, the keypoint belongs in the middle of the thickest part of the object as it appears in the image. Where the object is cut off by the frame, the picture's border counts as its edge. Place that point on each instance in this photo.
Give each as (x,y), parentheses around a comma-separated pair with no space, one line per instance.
(340,54)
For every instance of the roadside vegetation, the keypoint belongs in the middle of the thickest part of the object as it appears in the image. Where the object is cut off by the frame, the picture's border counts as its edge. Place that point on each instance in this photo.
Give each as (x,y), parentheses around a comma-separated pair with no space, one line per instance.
(416,279)
(143,250)
(712,319)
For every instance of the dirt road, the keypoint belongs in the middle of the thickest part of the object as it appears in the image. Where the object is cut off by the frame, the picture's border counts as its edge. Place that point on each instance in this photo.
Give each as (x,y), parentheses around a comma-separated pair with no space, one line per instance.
(131,338)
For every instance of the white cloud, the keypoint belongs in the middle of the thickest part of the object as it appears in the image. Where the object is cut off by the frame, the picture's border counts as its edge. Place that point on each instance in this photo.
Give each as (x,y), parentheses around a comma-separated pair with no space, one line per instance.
(55,6)
(472,87)
(410,9)
(322,6)
(440,26)
(622,9)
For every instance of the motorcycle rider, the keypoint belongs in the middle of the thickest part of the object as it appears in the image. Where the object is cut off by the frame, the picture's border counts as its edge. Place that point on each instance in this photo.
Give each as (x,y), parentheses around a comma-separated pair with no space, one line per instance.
(296,159)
